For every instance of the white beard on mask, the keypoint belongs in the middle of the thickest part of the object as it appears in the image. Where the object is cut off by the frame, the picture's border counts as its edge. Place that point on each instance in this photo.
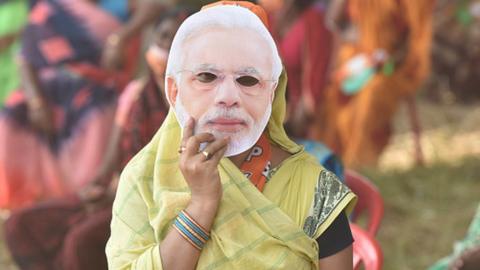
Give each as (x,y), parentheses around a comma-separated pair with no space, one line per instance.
(239,141)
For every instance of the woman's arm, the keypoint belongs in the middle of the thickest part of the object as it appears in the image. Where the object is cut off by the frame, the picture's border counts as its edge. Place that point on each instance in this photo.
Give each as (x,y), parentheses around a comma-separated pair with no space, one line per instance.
(203,213)
(342,260)
(202,176)
(142,251)
(40,113)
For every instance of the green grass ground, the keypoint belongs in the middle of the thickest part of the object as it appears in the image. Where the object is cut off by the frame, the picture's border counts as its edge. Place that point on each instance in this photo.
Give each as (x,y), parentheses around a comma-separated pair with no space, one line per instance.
(427,209)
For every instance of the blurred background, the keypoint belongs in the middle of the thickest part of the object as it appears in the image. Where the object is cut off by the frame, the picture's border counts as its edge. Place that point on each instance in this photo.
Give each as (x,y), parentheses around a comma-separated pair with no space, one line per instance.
(387,90)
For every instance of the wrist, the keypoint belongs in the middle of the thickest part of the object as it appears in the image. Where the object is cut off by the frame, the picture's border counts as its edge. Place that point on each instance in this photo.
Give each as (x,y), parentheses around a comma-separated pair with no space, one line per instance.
(203,211)
(209,204)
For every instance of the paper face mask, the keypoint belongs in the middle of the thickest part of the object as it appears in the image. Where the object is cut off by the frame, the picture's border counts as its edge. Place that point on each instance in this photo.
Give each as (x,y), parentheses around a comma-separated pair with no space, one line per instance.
(242,129)
(225,83)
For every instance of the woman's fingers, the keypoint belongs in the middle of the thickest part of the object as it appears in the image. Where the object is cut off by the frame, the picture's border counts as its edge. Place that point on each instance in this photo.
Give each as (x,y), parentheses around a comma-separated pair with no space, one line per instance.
(193,143)
(215,146)
(187,131)
(215,159)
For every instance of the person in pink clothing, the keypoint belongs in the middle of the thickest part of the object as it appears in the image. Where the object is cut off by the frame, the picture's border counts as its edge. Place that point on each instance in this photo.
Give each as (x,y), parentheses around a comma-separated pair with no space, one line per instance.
(305,46)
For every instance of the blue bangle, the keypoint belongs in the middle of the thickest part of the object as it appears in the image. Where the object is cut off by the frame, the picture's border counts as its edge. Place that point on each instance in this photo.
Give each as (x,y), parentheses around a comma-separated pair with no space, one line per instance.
(193,225)
(197,243)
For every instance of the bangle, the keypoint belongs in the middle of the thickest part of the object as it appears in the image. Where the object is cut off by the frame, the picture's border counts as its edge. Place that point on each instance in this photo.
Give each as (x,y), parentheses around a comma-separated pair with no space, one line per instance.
(190,230)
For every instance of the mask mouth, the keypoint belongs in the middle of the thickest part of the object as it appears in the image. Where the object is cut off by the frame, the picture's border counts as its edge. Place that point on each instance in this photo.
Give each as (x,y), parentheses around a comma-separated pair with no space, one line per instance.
(226,125)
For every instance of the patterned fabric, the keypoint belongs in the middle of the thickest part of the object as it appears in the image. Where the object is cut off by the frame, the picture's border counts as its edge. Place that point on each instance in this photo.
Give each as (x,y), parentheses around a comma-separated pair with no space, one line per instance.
(257,165)
(251,230)
(324,203)
(63,42)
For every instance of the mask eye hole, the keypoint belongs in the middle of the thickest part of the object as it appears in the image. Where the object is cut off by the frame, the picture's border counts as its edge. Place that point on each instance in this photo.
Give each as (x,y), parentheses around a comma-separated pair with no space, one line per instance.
(206,77)
(247,81)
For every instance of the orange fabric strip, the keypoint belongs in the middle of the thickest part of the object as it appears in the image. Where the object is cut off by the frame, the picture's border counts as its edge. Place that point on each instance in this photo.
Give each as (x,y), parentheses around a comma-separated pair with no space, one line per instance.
(257,164)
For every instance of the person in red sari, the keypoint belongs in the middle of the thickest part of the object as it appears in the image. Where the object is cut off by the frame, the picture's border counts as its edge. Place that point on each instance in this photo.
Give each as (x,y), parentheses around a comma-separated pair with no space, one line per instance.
(81,230)
(76,57)
(305,46)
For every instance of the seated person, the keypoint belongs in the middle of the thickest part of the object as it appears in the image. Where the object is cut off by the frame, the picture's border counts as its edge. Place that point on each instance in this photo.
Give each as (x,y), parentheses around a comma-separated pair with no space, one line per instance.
(221,186)
(71,233)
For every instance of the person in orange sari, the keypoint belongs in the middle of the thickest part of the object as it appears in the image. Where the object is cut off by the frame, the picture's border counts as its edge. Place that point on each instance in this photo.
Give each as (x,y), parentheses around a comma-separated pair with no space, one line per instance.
(382,58)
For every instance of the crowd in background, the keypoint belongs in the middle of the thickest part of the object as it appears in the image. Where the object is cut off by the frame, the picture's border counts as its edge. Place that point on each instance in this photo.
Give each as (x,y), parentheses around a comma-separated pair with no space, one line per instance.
(82,91)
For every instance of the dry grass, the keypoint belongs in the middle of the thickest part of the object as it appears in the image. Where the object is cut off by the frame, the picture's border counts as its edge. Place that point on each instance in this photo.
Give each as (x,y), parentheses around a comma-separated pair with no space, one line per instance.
(427,209)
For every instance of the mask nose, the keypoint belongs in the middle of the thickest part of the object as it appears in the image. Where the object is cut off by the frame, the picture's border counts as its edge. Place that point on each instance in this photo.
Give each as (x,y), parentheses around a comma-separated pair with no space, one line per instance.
(227,93)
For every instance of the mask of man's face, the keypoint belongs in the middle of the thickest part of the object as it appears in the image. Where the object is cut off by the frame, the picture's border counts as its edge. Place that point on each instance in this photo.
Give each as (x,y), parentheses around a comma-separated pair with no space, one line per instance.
(225,84)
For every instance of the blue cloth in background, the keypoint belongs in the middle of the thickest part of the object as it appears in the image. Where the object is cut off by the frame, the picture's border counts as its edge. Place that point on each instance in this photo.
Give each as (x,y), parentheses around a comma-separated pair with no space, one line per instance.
(118,8)
(325,157)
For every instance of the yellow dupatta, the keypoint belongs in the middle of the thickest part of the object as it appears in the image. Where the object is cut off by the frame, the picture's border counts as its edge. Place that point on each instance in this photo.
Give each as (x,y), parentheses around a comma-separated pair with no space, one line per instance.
(251,230)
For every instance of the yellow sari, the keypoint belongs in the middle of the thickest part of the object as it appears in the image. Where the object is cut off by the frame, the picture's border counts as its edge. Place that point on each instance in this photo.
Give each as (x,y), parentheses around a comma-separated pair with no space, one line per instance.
(275,229)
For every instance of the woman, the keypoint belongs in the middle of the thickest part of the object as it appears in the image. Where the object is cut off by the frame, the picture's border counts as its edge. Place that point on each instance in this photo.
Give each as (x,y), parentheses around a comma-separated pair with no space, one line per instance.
(54,130)
(13,16)
(382,60)
(277,208)
(305,46)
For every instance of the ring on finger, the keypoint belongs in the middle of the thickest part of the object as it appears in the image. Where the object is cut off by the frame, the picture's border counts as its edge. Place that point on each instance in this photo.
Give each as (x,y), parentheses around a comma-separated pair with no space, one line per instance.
(207,155)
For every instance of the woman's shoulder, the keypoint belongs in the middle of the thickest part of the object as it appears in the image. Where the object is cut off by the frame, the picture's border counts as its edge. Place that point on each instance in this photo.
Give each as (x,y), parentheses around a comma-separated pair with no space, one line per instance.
(331,197)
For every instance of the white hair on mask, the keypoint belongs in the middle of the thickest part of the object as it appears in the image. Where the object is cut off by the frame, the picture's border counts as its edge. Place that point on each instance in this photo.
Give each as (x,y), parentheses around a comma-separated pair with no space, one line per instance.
(224,16)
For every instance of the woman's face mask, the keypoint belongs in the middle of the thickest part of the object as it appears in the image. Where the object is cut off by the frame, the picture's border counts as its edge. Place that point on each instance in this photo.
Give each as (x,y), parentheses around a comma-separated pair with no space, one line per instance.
(157,60)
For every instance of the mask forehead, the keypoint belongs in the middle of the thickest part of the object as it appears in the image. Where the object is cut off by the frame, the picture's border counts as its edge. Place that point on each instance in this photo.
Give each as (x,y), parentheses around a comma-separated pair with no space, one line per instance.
(230,50)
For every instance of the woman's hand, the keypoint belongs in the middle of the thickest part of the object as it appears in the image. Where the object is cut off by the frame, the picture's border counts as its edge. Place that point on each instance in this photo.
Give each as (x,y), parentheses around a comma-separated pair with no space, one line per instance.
(200,168)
